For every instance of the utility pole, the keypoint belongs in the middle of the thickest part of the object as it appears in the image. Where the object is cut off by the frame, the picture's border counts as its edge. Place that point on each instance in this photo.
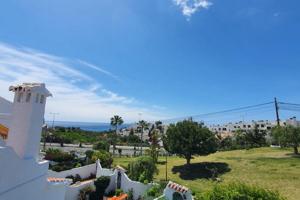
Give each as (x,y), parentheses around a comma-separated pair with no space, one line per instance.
(277,111)
(166,166)
(53,118)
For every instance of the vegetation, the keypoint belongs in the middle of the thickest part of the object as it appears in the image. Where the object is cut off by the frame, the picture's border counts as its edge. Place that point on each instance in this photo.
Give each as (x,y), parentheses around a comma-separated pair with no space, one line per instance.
(288,136)
(74,135)
(63,160)
(188,138)
(100,184)
(142,169)
(115,121)
(154,146)
(240,191)
(155,135)
(142,125)
(130,194)
(85,192)
(270,168)
(57,155)
(156,190)
(104,157)
(102,145)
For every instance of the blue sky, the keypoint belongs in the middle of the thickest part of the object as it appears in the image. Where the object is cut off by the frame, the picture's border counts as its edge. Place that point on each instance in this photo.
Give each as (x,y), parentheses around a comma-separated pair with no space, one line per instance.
(161,58)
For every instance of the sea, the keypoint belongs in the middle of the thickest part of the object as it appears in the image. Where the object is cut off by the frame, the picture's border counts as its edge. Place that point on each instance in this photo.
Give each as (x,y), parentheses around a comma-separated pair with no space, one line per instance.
(87,126)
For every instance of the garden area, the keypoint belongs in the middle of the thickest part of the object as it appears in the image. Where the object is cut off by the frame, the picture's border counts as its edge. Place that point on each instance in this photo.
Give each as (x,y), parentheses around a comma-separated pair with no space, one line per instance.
(270,168)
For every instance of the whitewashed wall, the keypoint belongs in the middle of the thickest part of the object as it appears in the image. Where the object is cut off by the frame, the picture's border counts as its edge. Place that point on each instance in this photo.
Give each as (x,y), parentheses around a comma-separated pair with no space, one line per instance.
(139,188)
(84,172)
(126,183)
(5,119)
(73,191)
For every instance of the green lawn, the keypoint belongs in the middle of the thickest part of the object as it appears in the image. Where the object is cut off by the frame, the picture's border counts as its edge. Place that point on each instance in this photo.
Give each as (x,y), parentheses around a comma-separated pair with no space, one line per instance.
(270,168)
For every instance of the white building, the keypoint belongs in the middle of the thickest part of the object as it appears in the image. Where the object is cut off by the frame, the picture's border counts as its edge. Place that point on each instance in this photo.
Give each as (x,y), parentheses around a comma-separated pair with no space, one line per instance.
(5,117)
(22,176)
(263,125)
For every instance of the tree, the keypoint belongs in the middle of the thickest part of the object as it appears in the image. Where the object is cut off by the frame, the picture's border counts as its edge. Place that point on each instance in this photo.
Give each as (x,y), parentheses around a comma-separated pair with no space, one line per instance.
(142,125)
(101,184)
(154,146)
(256,137)
(120,152)
(142,169)
(115,121)
(287,136)
(102,145)
(188,138)
(104,157)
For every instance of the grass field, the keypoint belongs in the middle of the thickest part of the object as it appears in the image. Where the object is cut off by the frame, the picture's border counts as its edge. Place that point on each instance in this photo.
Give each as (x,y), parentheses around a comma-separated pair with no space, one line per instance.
(269,168)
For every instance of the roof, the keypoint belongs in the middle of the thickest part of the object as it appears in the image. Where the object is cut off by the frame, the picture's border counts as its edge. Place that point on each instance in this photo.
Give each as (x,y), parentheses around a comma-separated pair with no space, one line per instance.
(3,131)
(177,187)
(58,180)
(33,87)
(121,197)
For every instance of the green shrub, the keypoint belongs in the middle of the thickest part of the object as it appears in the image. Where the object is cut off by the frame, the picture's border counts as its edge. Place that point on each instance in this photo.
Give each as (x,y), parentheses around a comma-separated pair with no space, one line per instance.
(157,189)
(142,169)
(102,145)
(57,155)
(130,194)
(104,157)
(84,192)
(101,184)
(239,191)
(119,192)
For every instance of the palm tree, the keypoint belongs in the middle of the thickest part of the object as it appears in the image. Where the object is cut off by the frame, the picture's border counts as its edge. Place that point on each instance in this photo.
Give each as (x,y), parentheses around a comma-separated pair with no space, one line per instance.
(115,121)
(142,125)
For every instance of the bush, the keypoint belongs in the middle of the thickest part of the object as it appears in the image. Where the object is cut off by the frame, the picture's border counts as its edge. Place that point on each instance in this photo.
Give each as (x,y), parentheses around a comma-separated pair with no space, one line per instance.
(89,154)
(142,169)
(104,157)
(239,191)
(102,145)
(57,155)
(119,192)
(157,190)
(130,194)
(101,184)
(84,192)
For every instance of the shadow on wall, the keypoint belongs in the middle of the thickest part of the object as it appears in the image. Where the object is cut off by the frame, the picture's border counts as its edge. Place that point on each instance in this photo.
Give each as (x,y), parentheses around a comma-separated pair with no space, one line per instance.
(203,170)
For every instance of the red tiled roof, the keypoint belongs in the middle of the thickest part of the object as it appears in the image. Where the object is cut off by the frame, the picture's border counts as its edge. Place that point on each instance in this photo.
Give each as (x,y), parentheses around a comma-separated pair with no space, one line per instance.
(121,197)
(177,187)
(56,180)
(3,131)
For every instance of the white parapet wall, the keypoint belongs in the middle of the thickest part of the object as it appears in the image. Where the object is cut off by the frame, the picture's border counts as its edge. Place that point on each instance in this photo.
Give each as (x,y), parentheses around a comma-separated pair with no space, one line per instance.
(138,188)
(83,172)
(126,183)
(73,191)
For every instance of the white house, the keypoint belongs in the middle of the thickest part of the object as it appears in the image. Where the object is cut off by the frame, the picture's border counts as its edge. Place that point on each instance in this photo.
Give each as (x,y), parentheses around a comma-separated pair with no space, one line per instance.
(5,117)
(22,176)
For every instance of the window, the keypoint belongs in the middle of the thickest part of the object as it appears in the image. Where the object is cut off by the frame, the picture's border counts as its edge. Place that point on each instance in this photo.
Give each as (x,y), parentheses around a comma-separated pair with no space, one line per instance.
(20,96)
(28,97)
(37,98)
(42,99)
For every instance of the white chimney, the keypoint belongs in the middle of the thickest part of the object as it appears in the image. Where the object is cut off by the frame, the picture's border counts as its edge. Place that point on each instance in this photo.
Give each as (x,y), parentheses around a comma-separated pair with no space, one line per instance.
(27,119)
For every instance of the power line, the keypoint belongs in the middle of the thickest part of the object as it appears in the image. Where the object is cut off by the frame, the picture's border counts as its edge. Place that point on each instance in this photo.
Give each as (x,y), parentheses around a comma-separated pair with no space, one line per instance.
(220,112)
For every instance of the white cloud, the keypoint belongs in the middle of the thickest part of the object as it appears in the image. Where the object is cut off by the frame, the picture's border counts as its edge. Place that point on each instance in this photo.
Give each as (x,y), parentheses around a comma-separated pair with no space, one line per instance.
(99,69)
(77,96)
(189,7)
